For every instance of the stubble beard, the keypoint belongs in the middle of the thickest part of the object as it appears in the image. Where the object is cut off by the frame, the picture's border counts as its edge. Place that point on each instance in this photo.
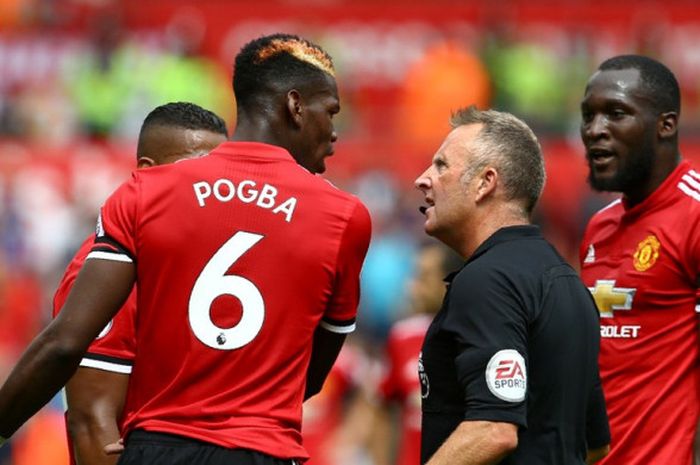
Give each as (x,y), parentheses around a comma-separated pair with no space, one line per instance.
(635,172)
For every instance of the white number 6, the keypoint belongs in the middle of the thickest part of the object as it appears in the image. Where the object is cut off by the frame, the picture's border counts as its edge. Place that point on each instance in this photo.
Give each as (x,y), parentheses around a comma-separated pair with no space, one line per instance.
(212,283)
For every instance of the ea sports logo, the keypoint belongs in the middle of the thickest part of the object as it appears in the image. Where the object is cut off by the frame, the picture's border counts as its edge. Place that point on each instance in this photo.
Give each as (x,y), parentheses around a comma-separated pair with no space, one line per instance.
(506,376)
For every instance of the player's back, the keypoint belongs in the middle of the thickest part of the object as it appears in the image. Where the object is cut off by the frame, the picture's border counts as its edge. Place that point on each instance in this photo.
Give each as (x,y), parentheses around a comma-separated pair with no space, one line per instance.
(239,255)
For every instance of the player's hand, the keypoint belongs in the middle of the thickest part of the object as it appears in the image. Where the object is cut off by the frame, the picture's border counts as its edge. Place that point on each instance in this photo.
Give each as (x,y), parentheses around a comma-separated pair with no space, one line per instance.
(115,448)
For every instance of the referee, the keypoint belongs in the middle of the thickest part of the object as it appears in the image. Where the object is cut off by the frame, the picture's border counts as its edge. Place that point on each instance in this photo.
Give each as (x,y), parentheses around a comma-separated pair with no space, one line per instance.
(508,369)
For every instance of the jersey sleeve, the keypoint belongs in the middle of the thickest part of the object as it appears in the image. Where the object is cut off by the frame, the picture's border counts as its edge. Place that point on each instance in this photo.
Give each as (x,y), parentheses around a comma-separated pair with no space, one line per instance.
(342,308)
(116,226)
(114,348)
(490,325)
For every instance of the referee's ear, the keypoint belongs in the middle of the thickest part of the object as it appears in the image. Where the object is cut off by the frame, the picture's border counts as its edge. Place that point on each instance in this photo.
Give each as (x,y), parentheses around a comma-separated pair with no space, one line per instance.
(488,180)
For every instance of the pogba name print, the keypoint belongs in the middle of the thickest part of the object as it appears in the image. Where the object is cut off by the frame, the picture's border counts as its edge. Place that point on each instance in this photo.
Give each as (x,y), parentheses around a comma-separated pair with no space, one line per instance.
(247,191)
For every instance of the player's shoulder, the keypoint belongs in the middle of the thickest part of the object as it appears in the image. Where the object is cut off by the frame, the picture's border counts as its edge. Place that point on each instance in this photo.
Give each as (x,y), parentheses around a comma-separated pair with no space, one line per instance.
(328,187)
(71,272)
(688,189)
(81,254)
(339,200)
(85,247)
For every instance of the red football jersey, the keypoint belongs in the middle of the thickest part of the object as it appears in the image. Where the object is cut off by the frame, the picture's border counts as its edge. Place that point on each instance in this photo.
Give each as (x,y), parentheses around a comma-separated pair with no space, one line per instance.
(642,266)
(114,348)
(401,383)
(239,256)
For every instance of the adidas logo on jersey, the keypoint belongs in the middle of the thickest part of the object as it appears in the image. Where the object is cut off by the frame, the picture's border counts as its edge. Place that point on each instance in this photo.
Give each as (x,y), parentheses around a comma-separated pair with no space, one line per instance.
(590,256)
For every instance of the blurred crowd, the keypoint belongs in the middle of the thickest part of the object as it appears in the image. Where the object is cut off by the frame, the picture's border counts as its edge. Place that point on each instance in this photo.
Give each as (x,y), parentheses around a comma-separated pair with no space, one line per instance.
(78,77)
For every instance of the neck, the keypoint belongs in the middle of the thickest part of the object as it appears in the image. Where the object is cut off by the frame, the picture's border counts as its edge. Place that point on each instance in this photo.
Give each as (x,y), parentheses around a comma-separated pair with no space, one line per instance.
(664,165)
(258,131)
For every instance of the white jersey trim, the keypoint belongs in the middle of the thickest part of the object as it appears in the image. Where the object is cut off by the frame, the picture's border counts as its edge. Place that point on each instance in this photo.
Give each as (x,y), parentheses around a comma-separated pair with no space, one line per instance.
(693,181)
(106,366)
(116,257)
(610,205)
(690,187)
(338,329)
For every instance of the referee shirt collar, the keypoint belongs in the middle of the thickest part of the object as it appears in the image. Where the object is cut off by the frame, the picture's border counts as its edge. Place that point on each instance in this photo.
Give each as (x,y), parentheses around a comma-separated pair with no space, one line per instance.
(508,233)
(505,234)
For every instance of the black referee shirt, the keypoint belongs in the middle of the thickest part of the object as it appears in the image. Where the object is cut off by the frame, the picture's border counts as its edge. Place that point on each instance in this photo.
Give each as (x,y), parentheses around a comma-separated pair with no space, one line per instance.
(516,341)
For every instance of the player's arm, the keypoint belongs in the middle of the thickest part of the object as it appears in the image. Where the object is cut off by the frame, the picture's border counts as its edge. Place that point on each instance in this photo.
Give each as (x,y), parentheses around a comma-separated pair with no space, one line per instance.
(48,363)
(339,319)
(477,443)
(326,347)
(95,403)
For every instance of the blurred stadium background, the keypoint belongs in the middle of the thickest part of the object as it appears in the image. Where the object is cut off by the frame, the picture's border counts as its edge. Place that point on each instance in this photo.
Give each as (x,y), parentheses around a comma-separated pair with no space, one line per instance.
(77,77)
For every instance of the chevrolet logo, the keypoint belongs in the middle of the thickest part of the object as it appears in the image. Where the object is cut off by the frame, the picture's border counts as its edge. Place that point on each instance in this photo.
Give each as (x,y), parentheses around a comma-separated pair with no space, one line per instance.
(608,297)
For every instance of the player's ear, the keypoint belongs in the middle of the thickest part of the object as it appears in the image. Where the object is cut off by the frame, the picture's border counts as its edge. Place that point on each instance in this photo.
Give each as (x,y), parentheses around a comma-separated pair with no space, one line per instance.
(668,125)
(145,162)
(295,107)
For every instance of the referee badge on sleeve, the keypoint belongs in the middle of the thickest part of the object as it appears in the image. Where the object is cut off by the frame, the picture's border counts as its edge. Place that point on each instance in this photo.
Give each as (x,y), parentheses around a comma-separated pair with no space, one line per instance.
(506,375)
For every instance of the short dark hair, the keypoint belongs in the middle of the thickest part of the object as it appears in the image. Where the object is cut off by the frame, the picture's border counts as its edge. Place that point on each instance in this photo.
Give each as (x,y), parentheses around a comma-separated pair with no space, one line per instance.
(184,115)
(659,83)
(269,62)
(509,144)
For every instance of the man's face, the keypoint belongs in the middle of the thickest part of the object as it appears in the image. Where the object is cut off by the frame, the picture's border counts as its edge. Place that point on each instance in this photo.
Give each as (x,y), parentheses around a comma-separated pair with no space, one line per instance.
(168,144)
(446,193)
(618,129)
(318,134)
